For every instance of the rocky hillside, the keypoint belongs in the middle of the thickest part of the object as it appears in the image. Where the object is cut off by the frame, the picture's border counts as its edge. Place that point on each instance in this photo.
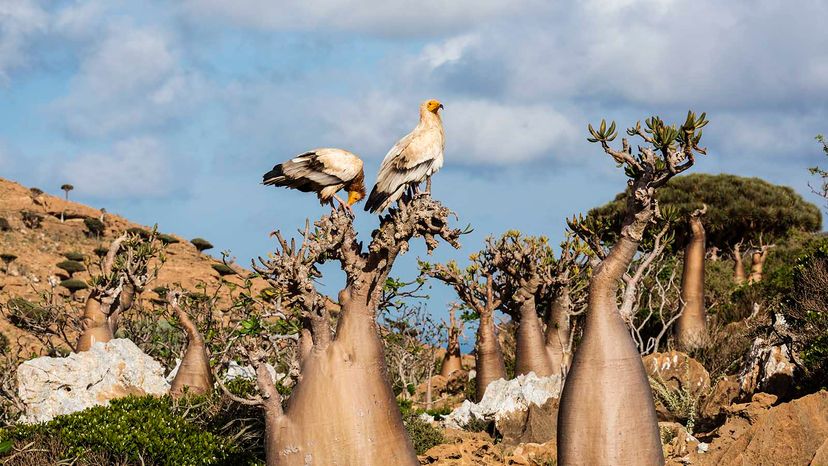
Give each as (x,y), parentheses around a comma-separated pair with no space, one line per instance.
(31,252)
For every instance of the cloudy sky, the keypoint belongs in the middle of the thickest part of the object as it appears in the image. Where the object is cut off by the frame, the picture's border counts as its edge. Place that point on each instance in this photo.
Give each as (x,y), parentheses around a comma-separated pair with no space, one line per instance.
(169,112)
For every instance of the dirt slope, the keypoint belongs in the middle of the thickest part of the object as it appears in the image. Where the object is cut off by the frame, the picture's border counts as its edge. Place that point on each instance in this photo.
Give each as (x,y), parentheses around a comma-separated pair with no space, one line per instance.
(38,250)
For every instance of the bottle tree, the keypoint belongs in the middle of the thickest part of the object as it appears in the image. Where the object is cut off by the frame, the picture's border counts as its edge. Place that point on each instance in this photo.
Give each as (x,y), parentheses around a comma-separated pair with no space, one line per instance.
(607,415)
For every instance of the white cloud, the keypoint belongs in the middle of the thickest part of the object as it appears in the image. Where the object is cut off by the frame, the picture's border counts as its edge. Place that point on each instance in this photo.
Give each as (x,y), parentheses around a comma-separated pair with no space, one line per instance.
(388,18)
(133,79)
(19,21)
(494,133)
(134,168)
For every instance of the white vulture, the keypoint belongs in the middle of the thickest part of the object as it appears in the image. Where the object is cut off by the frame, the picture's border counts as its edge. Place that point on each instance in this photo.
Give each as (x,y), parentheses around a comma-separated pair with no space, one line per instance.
(412,160)
(324,172)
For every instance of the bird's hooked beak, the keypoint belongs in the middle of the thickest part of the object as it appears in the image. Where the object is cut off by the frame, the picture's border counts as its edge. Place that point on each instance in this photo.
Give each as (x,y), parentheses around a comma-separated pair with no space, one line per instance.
(441,106)
(354,197)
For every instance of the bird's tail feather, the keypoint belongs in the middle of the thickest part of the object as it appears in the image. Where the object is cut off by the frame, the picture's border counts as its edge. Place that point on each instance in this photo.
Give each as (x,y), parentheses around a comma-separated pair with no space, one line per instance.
(379,200)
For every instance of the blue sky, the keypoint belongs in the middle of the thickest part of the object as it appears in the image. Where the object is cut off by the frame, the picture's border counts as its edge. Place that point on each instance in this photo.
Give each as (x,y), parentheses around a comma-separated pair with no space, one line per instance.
(169,112)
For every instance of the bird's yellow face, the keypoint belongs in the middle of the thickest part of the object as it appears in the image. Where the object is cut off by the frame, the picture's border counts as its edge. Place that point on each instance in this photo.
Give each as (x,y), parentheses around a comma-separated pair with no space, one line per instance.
(354,197)
(433,105)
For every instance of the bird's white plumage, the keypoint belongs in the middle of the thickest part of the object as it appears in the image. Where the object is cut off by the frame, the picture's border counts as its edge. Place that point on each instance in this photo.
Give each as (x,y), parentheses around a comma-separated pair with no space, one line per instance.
(415,157)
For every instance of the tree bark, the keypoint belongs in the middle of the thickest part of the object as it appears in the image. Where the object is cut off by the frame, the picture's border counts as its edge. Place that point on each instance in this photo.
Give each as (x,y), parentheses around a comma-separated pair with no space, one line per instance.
(691,328)
(343,411)
(607,415)
(558,332)
(453,359)
(739,267)
(530,347)
(488,355)
(194,375)
(758,264)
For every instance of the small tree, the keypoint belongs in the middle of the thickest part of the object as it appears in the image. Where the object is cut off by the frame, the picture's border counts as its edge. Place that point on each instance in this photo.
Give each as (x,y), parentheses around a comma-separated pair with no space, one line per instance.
(201,244)
(223,269)
(453,360)
(71,267)
(74,285)
(74,256)
(607,414)
(7,259)
(475,286)
(4,224)
(66,188)
(194,375)
(128,266)
(691,328)
(168,239)
(94,226)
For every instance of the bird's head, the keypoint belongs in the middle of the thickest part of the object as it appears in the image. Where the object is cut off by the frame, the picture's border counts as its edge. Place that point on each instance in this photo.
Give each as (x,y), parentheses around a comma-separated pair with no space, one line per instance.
(432,105)
(355,196)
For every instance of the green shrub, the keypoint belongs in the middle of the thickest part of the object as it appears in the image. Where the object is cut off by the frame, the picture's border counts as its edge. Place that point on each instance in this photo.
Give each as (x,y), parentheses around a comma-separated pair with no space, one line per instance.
(26,314)
(4,343)
(4,224)
(139,232)
(71,267)
(73,285)
(74,256)
(806,310)
(223,269)
(201,244)
(101,251)
(95,226)
(167,239)
(138,430)
(8,257)
(423,434)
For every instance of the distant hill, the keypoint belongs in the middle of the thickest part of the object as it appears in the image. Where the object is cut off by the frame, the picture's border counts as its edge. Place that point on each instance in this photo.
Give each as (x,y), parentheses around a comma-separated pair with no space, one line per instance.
(38,250)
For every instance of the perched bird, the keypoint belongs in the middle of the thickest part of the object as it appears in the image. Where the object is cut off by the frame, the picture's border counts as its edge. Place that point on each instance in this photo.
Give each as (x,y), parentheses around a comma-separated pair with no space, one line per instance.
(323,171)
(412,160)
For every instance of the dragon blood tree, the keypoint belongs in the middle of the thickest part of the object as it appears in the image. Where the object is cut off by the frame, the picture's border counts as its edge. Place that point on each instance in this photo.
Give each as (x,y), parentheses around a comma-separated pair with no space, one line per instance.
(343,410)
(607,415)
(129,264)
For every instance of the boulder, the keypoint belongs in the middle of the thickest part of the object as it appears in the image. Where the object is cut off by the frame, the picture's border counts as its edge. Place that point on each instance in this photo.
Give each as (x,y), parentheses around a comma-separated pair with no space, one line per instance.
(518,407)
(678,443)
(724,392)
(676,375)
(757,433)
(678,371)
(536,424)
(50,387)
(769,368)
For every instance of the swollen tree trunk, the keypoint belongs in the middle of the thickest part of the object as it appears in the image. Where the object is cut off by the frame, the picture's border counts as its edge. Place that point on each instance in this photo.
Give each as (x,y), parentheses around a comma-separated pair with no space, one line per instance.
(691,328)
(95,324)
(739,267)
(558,332)
(607,415)
(758,264)
(530,345)
(194,376)
(452,361)
(343,410)
(488,355)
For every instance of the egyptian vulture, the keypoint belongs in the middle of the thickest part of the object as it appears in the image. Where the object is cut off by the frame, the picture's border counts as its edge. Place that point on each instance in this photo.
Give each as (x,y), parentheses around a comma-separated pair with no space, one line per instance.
(323,171)
(412,160)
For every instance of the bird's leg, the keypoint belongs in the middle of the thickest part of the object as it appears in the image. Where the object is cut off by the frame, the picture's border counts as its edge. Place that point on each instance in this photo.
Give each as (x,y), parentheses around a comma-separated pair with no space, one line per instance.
(428,186)
(345,207)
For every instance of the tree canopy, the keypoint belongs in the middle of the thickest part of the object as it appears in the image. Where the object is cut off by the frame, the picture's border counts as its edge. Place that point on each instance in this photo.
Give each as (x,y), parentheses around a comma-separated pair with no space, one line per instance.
(739,209)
